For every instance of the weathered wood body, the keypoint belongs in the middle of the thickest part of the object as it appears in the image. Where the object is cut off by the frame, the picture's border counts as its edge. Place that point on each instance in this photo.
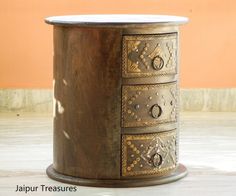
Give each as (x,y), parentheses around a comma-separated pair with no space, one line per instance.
(116,104)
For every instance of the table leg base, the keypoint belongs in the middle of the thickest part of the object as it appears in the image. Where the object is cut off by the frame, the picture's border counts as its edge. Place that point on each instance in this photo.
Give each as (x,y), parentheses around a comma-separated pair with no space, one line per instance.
(179,173)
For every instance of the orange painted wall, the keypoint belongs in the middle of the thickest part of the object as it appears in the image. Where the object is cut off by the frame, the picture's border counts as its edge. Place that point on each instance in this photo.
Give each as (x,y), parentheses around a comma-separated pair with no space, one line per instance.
(208,42)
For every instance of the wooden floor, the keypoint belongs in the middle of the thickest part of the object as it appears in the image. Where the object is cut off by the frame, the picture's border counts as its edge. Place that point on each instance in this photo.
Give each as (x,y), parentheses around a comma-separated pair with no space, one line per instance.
(207,148)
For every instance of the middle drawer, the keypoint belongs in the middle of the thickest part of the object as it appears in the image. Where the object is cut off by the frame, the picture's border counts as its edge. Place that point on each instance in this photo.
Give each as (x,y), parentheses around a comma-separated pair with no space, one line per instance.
(149,104)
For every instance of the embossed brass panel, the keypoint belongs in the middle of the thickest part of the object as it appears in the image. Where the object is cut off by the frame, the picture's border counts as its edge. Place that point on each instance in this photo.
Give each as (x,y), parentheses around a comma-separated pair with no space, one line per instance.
(149,55)
(149,154)
(147,105)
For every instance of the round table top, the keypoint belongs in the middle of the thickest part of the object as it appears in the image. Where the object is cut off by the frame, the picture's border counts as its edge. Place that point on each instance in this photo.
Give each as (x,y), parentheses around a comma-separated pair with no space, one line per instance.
(115,19)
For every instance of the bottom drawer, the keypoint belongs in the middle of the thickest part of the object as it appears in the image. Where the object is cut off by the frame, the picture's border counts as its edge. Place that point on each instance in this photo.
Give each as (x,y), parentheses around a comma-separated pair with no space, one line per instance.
(149,154)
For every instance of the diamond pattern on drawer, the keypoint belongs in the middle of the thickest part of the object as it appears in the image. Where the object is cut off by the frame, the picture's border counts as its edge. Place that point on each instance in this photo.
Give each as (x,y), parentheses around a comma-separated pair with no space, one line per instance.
(149,105)
(148,154)
(149,55)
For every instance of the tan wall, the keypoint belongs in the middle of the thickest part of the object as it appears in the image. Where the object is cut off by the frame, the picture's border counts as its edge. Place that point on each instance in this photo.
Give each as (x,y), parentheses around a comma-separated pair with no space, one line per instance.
(208,42)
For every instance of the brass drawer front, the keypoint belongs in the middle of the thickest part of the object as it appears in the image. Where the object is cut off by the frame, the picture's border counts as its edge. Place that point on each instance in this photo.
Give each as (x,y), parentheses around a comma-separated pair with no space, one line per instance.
(149,154)
(149,105)
(149,55)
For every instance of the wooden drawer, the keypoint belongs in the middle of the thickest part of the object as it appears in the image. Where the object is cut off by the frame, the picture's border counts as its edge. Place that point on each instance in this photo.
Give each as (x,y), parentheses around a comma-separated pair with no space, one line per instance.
(149,105)
(149,154)
(149,55)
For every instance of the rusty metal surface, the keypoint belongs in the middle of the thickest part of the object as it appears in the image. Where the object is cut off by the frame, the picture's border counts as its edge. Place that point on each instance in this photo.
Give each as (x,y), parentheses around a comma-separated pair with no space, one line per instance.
(153,154)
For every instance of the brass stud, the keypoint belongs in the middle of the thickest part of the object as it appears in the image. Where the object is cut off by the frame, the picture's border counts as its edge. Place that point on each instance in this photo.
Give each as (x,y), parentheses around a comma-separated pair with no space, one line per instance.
(137,106)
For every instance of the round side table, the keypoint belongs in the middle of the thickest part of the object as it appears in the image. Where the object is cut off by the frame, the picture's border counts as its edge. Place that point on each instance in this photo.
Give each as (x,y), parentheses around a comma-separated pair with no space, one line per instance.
(116,100)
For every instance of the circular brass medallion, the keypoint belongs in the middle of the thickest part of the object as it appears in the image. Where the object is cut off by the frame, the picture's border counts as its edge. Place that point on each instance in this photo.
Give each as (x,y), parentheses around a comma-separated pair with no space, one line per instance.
(156,160)
(156,111)
(158,63)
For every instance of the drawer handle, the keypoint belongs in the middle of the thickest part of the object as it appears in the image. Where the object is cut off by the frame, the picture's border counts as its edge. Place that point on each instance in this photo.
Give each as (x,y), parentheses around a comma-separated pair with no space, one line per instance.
(156,160)
(156,111)
(157,63)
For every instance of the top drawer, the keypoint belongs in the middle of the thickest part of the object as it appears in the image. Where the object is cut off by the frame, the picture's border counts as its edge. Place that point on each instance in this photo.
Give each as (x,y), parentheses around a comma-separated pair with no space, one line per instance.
(149,55)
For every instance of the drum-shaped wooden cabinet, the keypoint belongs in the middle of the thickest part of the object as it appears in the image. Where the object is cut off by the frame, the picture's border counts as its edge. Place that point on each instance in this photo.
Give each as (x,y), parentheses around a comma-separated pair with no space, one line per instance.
(116,100)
